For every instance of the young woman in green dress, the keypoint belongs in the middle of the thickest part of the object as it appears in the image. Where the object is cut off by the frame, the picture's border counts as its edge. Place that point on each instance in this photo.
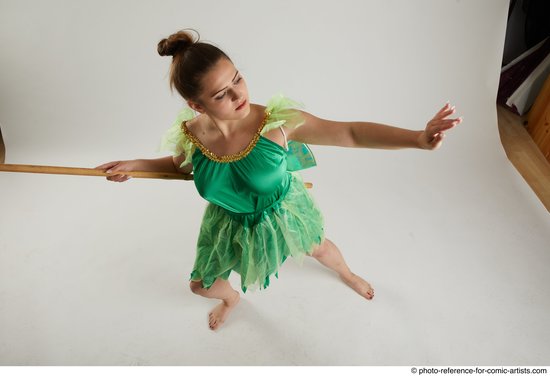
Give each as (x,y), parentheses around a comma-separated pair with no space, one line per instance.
(258,211)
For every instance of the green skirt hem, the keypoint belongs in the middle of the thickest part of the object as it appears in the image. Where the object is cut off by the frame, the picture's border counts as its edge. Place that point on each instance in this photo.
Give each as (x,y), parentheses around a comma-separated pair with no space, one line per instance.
(293,227)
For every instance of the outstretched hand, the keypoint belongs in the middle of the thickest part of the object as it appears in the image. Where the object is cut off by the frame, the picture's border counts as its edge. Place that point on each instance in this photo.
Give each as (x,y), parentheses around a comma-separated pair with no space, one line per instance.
(118,166)
(432,137)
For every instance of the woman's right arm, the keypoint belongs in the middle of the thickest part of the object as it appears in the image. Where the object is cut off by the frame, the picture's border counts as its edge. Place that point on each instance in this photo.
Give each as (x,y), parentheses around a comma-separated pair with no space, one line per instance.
(164,164)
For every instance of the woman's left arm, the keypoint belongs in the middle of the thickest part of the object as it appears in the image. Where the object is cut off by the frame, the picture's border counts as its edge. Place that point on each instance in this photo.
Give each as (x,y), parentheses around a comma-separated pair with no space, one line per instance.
(318,131)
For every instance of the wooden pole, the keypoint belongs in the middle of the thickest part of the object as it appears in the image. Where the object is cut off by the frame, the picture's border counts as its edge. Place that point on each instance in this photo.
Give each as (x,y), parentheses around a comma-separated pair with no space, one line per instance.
(91,172)
(57,170)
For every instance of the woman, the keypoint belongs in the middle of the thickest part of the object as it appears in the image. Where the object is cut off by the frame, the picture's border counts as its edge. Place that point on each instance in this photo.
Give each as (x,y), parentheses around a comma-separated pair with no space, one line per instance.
(259,211)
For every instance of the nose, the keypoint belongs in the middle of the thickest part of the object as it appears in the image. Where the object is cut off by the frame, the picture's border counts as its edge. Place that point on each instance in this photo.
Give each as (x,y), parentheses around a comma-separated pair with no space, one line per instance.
(236,95)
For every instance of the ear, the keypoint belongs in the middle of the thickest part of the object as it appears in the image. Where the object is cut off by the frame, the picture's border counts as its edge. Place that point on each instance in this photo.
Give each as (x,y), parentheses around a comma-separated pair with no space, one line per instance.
(195,106)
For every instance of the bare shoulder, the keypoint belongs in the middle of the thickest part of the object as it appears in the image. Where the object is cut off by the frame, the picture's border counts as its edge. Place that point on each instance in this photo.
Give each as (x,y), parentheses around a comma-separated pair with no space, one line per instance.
(197,125)
(256,114)
(258,108)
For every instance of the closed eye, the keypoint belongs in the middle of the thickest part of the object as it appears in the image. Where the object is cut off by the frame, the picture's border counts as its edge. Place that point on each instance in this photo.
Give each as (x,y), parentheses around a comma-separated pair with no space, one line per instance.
(236,82)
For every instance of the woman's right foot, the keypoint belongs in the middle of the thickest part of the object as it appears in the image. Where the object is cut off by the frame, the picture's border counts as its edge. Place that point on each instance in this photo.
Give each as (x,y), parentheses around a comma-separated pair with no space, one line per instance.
(361,286)
(217,316)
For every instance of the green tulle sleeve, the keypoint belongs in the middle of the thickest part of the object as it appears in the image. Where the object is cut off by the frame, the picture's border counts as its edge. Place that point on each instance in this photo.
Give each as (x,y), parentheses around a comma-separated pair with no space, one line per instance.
(282,111)
(175,141)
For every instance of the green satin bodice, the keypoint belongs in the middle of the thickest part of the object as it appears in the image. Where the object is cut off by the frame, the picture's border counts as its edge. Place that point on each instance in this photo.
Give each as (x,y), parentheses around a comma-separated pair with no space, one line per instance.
(251,183)
(246,185)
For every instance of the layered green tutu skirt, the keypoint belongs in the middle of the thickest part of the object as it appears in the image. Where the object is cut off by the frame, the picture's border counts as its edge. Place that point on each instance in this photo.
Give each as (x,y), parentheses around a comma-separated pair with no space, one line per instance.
(256,245)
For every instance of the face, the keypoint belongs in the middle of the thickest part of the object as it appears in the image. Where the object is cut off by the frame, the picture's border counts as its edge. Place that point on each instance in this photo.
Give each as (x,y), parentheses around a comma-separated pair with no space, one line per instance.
(224,93)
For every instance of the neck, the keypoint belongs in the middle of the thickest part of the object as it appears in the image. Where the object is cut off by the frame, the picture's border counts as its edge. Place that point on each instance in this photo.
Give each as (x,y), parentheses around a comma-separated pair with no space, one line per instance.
(227,128)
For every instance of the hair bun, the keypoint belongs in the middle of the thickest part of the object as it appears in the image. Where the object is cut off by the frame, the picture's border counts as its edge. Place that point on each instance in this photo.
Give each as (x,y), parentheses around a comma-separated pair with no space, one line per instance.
(176,43)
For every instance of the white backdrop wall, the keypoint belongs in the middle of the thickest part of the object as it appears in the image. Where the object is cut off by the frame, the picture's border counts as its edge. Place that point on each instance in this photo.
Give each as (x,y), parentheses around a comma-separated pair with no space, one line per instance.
(454,241)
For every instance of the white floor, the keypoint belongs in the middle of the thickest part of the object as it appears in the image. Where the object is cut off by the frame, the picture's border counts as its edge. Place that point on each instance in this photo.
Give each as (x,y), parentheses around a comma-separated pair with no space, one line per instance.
(454,242)
(458,290)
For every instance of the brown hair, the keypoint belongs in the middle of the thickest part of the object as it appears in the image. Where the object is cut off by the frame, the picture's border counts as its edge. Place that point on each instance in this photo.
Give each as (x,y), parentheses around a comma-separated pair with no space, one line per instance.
(191,60)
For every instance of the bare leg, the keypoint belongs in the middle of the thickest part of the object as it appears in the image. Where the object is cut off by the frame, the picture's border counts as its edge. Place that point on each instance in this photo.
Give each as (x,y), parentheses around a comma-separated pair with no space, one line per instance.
(328,254)
(220,289)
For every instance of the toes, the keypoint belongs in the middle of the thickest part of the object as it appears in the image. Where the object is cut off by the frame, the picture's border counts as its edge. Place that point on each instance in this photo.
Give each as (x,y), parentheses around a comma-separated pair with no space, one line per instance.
(370,293)
(214,325)
(211,320)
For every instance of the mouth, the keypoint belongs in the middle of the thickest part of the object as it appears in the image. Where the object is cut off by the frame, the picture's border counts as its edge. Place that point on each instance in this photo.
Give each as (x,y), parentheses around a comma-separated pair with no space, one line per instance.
(241,106)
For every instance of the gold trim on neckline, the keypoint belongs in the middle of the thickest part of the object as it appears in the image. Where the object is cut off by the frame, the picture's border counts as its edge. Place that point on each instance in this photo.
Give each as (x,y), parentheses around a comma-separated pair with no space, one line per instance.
(225,158)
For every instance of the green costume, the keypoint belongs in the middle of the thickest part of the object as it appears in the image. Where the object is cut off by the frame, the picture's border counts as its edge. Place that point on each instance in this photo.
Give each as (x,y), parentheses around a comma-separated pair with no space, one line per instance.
(259,211)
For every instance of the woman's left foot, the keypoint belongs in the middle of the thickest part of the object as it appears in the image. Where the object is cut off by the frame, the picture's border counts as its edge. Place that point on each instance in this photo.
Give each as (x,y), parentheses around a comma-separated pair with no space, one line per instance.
(361,286)
(217,316)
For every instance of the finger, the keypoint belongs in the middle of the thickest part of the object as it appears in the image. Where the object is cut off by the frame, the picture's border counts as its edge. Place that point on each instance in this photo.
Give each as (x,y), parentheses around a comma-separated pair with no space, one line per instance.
(116,169)
(107,165)
(443,109)
(451,124)
(443,124)
(446,112)
(439,137)
(110,167)
(117,178)
(445,106)
(450,111)
(431,136)
(437,140)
